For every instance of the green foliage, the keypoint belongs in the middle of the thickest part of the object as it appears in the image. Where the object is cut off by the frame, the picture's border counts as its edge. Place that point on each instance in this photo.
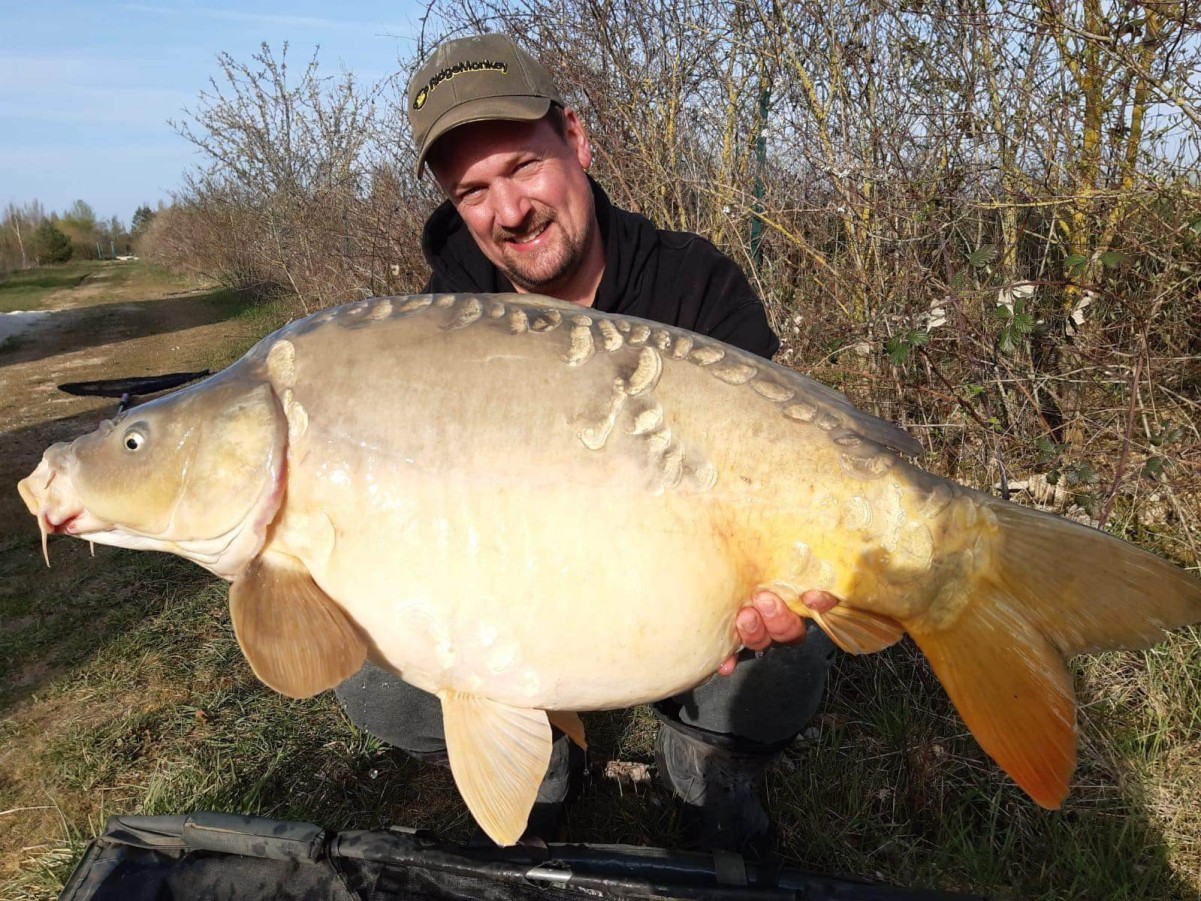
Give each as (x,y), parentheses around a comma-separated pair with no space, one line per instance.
(1048,450)
(901,346)
(53,245)
(80,217)
(1016,325)
(1080,478)
(983,255)
(1075,264)
(1155,466)
(142,218)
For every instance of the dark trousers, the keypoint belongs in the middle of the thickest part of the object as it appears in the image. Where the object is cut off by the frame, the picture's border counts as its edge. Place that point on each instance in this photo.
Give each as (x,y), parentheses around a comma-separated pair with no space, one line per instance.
(765,703)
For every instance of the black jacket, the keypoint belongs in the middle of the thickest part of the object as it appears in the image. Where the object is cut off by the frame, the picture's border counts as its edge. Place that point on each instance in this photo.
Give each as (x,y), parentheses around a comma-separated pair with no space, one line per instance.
(675,278)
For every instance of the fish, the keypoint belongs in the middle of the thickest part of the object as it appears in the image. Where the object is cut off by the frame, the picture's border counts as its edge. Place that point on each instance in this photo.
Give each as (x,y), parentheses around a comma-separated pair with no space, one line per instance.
(534,509)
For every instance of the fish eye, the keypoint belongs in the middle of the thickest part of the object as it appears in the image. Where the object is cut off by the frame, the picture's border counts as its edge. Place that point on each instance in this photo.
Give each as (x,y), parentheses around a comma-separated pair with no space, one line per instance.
(133,440)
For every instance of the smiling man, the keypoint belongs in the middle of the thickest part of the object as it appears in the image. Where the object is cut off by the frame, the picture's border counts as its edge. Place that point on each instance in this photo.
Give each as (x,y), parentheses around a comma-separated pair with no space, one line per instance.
(521,191)
(522,214)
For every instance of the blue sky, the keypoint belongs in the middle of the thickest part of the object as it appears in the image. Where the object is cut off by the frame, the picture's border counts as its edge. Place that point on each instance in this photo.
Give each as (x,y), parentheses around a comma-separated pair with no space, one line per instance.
(86,88)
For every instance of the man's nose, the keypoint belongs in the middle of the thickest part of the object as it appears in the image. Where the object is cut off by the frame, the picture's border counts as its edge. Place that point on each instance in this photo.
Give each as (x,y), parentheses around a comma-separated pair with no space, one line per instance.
(511,206)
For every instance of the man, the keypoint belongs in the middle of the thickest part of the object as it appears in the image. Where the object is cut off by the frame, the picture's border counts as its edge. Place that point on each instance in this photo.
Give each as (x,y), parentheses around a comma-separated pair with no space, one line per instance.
(523,215)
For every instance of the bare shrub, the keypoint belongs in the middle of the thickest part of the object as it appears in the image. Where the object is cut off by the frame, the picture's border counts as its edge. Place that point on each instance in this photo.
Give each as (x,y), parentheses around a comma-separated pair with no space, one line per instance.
(308,186)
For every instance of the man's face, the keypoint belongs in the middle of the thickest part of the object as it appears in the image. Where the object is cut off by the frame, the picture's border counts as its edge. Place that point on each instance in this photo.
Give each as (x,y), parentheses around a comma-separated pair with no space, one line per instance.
(522,191)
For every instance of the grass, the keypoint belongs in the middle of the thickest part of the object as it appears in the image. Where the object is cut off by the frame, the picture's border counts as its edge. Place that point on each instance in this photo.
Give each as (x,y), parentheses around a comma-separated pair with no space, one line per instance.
(26,289)
(134,696)
(30,289)
(255,320)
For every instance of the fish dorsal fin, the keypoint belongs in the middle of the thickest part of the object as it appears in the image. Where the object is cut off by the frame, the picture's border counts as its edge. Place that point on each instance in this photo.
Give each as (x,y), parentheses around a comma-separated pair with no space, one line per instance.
(297,640)
(498,755)
(859,631)
(569,724)
(873,428)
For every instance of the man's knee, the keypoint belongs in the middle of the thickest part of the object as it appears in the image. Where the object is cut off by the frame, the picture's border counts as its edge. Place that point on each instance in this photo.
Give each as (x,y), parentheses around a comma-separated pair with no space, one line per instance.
(766,701)
(392,710)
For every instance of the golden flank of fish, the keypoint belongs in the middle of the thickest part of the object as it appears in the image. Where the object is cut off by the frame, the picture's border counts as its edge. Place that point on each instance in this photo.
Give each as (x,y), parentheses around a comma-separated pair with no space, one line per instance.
(532,509)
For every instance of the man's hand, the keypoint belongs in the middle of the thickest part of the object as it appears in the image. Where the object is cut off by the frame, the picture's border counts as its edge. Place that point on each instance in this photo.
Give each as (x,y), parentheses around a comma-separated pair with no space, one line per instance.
(767,620)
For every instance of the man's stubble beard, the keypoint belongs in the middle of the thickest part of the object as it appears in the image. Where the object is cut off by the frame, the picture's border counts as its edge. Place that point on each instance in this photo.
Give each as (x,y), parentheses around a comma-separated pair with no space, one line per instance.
(554,267)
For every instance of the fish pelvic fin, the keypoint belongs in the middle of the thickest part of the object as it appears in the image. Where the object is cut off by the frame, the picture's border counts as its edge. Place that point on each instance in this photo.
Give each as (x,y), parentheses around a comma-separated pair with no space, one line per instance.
(1048,589)
(570,724)
(296,638)
(858,631)
(498,756)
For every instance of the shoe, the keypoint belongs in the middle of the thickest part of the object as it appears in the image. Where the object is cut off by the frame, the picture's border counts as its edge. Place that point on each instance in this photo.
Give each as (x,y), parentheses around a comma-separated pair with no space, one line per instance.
(561,786)
(719,780)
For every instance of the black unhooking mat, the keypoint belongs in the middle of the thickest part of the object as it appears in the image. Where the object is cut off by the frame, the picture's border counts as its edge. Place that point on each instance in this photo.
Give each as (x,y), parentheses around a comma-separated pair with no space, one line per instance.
(220,856)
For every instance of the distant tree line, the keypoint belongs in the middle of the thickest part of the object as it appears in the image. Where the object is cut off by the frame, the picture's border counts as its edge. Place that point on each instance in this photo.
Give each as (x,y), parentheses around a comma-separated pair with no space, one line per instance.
(29,236)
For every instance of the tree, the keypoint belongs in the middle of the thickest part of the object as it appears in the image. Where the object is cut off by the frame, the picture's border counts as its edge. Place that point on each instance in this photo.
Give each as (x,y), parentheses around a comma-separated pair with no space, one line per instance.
(142,218)
(53,245)
(14,220)
(80,216)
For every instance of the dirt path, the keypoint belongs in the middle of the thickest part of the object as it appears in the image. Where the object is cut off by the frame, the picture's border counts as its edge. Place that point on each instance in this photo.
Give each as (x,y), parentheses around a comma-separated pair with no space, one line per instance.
(116,323)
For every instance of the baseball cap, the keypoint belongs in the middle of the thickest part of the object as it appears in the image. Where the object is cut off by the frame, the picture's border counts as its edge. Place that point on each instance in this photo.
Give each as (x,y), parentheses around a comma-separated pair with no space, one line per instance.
(475,79)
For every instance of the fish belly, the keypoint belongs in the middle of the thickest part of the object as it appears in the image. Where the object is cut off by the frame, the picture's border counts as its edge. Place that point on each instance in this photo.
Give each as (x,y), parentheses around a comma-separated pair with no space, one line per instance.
(542,520)
(468,523)
(527,602)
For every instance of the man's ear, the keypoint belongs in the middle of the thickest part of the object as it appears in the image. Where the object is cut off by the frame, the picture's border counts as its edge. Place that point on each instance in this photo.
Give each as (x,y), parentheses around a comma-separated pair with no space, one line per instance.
(577,138)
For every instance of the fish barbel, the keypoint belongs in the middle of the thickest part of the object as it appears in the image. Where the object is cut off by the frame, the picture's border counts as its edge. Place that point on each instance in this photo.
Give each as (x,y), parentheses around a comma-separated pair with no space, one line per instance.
(532,509)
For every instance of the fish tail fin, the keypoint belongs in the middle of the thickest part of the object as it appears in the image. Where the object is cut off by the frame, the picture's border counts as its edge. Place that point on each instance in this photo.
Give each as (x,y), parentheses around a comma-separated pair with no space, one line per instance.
(1050,589)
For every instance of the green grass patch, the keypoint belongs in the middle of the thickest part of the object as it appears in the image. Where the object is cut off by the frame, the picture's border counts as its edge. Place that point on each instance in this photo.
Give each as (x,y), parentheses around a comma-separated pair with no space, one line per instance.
(26,289)
(256,319)
(157,712)
(890,785)
(134,279)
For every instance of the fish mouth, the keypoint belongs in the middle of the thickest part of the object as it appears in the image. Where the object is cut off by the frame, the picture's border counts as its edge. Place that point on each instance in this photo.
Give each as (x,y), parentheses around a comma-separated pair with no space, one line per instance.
(57,511)
(67,525)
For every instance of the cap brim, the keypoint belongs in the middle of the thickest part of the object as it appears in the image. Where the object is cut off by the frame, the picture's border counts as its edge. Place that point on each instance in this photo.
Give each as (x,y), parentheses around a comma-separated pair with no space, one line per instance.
(510,108)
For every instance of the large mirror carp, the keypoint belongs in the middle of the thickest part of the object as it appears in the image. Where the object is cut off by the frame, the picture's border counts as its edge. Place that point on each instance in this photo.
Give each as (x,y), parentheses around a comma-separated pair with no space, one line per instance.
(532,509)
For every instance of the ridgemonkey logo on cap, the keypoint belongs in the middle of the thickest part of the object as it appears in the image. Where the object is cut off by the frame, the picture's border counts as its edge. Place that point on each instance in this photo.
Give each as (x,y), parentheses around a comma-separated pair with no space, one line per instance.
(474,80)
(485,65)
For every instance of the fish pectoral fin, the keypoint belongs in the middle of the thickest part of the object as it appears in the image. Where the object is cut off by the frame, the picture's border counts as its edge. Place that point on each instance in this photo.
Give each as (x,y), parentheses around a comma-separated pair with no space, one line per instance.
(297,640)
(570,724)
(498,756)
(1012,689)
(859,631)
